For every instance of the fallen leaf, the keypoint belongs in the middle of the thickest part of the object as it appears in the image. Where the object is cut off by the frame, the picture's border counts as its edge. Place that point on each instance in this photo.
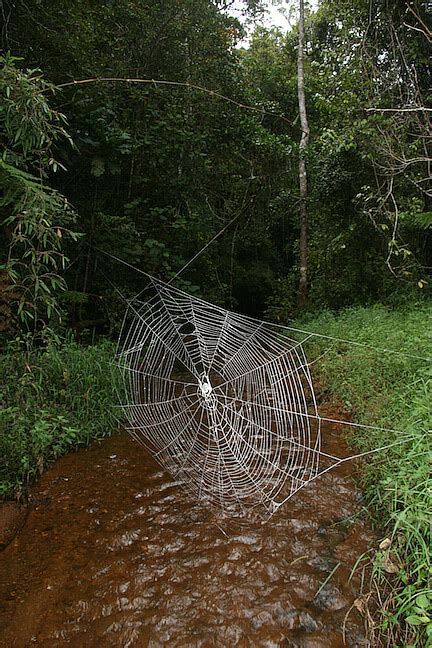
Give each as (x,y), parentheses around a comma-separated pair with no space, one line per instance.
(389,566)
(359,605)
(385,544)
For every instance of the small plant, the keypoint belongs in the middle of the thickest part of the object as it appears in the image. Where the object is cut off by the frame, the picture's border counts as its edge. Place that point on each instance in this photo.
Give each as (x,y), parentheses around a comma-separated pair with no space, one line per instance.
(55,399)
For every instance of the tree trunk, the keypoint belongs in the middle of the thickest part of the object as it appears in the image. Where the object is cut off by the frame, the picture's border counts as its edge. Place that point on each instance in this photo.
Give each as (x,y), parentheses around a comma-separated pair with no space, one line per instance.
(303,251)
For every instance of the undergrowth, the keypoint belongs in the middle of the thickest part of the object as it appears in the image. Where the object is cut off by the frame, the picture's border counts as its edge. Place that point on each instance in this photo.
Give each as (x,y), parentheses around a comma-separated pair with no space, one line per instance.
(53,400)
(392,391)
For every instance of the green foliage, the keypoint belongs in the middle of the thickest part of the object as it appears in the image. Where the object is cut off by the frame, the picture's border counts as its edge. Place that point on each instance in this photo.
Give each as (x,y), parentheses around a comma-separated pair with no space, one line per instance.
(359,250)
(35,262)
(420,219)
(157,171)
(35,217)
(381,64)
(29,126)
(391,391)
(54,400)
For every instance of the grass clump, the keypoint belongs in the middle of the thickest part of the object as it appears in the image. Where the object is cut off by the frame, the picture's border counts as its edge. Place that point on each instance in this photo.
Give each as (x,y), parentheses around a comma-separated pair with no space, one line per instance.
(53,400)
(391,391)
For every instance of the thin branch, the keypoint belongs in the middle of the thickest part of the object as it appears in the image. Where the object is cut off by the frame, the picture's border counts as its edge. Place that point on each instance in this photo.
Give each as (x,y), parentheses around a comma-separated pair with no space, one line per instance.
(425,31)
(399,110)
(179,84)
(417,29)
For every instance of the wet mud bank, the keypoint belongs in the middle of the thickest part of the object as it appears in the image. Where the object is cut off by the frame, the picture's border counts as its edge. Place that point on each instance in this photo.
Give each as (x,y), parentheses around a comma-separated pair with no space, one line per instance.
(12,519)
(114,553)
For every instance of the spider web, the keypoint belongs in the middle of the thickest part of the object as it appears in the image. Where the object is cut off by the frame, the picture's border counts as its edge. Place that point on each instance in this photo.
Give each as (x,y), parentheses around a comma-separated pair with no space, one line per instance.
(223,401)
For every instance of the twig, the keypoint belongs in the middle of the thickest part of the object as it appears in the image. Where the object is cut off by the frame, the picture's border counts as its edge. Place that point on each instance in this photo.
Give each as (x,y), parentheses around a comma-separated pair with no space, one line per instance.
(398,110)
(178,84)
(324,583)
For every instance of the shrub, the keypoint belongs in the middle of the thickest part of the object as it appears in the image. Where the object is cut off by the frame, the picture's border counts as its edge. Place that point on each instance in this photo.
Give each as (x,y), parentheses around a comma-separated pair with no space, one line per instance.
(54,400)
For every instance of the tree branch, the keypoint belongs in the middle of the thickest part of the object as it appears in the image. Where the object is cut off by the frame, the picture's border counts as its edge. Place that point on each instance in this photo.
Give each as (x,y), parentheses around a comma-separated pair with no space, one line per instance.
(399,110)
(178,84)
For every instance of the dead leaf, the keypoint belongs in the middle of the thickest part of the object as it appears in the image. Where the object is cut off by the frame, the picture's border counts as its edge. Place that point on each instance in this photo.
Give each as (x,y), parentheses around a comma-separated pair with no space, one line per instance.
(359,605)
(389,566)
(385,544)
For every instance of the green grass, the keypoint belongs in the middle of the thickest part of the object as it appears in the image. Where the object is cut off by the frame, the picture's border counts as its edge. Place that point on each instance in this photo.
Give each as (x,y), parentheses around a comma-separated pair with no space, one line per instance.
(53,400)
(391,391)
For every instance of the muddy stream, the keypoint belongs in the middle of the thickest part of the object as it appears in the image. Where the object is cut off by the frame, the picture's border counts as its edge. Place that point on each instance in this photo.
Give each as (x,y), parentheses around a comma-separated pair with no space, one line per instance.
(114,553)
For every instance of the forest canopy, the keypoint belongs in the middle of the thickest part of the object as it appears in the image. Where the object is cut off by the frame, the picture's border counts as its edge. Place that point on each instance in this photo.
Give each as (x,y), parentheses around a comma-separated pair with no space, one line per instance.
(151,172)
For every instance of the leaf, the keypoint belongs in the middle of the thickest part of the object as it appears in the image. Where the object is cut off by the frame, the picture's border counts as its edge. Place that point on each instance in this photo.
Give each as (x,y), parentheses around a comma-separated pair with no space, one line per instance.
(97,167)
(423,220)
(359,604)
(389,566)
(415,619)
(422,601)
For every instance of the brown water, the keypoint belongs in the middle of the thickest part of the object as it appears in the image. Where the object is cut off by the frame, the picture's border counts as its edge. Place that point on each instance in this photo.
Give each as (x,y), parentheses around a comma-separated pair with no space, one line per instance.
(114,553)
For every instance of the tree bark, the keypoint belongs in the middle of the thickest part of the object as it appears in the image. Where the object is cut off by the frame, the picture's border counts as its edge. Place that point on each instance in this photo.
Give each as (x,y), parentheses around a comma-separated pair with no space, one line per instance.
(303,247)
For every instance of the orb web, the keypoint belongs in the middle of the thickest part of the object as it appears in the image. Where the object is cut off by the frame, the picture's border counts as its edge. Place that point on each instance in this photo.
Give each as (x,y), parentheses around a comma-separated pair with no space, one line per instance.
(223,401)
